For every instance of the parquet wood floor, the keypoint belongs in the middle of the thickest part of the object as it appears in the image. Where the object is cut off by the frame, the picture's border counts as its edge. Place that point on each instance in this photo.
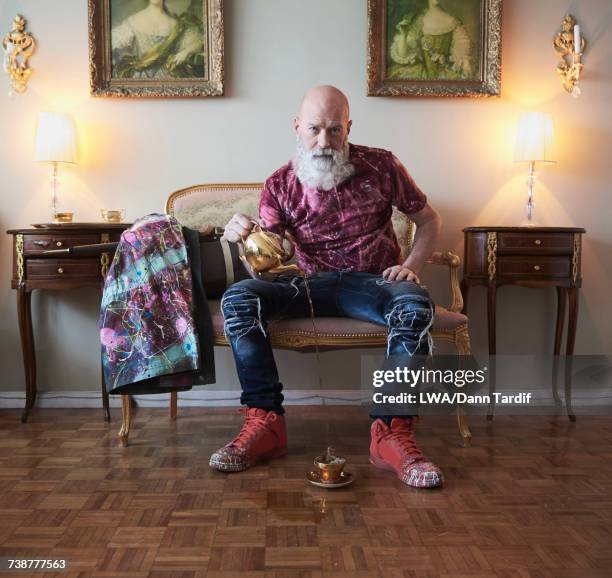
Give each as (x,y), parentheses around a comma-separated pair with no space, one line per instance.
(532,498)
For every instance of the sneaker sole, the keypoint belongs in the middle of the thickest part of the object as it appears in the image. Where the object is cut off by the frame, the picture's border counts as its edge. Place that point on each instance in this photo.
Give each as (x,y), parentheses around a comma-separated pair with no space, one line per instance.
(383,465)
(224,467)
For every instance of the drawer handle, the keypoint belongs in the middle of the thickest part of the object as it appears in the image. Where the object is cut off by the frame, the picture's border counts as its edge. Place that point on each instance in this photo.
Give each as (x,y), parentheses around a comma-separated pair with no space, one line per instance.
(536,267)
(538,242)
(60,270)
(59,244)
(41,242)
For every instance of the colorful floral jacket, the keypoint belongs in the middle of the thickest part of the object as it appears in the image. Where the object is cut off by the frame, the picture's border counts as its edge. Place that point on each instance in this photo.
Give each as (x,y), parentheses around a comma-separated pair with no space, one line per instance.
(147,328)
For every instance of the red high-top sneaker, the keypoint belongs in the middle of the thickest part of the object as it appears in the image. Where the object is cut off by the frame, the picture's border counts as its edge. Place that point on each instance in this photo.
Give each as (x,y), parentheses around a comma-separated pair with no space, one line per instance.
(394,448)
(263,435)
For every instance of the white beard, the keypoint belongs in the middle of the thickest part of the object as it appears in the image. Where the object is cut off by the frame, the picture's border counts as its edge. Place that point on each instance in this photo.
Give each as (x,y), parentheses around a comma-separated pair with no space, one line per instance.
(322,168)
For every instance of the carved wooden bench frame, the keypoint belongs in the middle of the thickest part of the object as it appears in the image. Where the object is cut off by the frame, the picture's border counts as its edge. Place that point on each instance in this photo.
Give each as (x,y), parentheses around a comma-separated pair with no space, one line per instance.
(303,342)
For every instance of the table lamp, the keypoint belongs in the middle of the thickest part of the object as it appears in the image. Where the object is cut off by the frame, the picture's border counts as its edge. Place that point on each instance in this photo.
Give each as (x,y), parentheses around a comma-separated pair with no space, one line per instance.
(534,143)
(55,143)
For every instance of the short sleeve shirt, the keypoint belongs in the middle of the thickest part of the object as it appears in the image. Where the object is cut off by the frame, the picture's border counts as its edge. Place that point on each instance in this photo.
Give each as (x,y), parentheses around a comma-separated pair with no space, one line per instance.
(347,228)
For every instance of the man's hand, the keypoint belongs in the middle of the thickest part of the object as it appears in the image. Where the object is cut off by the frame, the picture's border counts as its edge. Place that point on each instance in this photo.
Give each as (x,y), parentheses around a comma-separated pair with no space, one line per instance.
(400,273)
(237,228)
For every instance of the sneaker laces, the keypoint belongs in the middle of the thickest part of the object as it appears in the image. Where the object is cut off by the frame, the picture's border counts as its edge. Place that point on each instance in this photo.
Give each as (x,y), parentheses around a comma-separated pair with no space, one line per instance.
(252,427)
(403,438)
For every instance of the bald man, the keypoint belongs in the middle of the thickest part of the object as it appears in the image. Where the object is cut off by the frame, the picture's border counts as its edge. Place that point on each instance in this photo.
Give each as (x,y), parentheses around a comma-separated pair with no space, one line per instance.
(335,200)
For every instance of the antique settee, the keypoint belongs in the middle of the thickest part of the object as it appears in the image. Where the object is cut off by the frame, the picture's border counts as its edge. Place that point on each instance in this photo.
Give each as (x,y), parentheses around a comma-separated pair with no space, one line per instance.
(204,206)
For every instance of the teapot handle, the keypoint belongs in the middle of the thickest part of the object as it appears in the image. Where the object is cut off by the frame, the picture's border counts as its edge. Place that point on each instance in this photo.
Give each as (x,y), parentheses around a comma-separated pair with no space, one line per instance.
(256,228)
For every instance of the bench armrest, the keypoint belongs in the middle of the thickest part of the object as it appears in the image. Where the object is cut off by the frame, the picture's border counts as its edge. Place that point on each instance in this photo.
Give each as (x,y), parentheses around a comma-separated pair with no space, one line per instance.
(453,262)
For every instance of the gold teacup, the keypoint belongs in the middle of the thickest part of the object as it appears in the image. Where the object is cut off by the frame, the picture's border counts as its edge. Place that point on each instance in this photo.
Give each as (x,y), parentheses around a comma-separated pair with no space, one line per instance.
(329,468)
(62,217)
(112,216)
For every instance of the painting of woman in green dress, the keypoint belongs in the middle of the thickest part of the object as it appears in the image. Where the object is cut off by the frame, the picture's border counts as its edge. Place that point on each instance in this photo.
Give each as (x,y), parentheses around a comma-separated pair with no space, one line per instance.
(433,39)
(157,39)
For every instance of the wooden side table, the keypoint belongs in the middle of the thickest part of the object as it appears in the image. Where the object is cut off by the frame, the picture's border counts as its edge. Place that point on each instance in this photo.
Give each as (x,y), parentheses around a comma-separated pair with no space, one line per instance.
(529,257)
(33,269)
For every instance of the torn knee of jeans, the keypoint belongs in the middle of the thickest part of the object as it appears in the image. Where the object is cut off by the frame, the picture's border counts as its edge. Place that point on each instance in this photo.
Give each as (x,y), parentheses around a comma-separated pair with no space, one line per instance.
(410,320)
(241,312)
(410,312)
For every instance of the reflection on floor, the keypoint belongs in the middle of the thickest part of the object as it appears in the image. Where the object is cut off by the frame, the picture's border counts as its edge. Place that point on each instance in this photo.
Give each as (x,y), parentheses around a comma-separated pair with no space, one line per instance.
(532,497)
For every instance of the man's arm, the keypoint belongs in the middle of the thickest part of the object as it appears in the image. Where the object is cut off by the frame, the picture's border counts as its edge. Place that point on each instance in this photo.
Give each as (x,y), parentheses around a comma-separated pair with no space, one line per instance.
(270,217)
(428,223)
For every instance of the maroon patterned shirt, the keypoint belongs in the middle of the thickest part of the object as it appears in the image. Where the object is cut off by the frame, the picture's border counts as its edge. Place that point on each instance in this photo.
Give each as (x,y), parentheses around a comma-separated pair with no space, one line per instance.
(347,228)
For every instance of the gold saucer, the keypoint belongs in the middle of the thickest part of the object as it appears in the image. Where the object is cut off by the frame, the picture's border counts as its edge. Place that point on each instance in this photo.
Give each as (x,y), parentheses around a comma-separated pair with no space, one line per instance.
(345,479)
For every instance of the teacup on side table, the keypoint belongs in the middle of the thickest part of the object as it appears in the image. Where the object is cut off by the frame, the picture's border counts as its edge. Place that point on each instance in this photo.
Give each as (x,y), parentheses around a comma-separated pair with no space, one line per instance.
(112,216)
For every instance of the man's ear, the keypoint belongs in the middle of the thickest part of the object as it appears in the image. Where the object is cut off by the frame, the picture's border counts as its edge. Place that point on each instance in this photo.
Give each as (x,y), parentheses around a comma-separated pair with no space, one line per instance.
(296,123)
(348,126)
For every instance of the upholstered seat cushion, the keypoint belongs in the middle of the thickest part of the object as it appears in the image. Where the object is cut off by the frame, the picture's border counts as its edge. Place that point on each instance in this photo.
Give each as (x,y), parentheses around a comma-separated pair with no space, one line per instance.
(444,320)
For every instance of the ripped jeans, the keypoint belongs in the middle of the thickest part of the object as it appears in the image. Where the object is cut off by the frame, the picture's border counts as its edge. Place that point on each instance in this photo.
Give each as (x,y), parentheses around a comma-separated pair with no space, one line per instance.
(404,307)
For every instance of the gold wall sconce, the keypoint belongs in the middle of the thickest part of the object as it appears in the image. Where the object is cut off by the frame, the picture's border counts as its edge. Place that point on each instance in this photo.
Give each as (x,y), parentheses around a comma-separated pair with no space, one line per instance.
(18,46)
(569,45)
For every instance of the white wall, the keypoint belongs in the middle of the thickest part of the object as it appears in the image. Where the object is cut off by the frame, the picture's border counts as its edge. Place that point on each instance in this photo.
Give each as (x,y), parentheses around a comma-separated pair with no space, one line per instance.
(134,152)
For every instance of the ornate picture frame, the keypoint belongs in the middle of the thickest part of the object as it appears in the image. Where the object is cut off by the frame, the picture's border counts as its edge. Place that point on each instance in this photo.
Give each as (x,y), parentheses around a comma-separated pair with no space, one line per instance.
(434,47)
(156,48)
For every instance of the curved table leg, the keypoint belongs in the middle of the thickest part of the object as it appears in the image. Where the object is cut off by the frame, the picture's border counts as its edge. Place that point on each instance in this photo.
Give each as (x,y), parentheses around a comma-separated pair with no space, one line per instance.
(561,307)
(465,289)
(105,404)
(30,332)
(491,318)
(24,314)
(572,294)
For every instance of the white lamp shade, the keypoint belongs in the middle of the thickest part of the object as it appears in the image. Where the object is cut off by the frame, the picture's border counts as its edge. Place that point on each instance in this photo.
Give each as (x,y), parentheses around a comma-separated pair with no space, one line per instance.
(534,139)
(55,138)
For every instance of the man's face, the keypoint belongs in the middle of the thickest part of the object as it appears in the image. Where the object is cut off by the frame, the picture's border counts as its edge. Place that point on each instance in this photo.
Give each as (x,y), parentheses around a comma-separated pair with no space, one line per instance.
(322,128)
(322,124)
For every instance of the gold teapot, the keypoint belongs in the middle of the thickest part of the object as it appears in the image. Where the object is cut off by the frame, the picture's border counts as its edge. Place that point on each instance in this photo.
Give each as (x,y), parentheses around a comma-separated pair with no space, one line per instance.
(263,252)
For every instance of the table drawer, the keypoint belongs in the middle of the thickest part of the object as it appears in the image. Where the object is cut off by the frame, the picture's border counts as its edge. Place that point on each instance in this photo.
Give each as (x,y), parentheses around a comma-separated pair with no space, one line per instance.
(535,243)
(38,244)
(533,267)
(62,268)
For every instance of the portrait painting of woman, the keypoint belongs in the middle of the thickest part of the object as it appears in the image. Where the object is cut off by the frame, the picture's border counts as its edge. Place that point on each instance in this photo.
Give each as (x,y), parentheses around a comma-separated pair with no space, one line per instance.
(433,39)
(157,39)
(434,47)
(156,48)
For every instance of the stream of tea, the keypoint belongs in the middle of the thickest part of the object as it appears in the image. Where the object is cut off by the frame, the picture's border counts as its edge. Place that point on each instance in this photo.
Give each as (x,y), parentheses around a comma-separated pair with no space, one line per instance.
(314,327)
(316,342)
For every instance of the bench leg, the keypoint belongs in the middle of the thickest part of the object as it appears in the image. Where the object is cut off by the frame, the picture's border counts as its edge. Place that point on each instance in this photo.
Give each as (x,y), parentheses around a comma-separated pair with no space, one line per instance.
(126,409)
(173,404)
(464,429)
(462,342)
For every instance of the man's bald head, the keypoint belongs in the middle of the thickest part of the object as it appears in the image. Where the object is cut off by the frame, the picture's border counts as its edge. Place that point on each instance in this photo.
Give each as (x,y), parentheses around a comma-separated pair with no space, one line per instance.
(327,98)
(323,119)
